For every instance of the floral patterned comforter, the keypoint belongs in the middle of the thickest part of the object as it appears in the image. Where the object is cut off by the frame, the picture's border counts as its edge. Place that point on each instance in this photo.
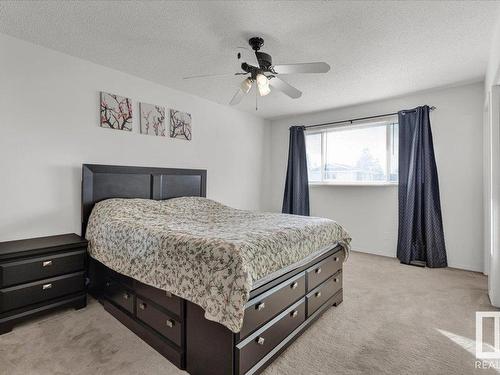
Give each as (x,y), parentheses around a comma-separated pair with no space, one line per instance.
(203,251)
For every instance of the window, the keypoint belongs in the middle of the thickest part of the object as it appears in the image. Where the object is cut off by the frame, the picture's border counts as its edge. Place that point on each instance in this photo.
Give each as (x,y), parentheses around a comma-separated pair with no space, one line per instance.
(355,154)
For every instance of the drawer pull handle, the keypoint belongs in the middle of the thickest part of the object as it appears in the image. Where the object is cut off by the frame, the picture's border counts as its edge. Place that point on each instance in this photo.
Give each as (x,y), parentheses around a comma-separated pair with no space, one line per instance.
(317,294)
(335,280)
(169,295)
(142,306)
(170,323)
(47,263)
(294,313)
(260,306)
(260,340)
(294,285)
(336,259)
(318,270)
(126,295)
(46,286)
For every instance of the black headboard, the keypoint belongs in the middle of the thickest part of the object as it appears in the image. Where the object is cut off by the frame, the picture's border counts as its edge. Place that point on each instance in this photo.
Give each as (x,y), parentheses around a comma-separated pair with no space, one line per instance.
(101,182)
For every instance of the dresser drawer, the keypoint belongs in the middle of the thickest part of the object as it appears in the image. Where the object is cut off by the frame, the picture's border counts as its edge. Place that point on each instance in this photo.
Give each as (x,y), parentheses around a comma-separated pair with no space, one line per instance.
(26,294)
(324,269)
(159,321)
(317,297)
(256,346)
(269,304)
(26,270)
(164,299)
(119,295)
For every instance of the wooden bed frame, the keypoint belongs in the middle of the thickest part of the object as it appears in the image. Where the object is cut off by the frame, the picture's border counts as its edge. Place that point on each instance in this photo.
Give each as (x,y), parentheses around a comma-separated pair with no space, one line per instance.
(276,314)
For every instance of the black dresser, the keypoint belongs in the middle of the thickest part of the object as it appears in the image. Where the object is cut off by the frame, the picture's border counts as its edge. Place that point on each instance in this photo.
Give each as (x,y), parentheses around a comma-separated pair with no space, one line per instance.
(39,275)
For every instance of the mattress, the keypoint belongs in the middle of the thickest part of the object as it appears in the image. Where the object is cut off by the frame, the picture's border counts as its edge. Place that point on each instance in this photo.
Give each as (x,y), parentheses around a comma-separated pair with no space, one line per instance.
(204,251)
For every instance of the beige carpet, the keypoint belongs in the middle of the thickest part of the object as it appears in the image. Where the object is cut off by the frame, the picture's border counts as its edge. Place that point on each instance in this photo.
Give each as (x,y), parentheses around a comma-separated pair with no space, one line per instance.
(395,319)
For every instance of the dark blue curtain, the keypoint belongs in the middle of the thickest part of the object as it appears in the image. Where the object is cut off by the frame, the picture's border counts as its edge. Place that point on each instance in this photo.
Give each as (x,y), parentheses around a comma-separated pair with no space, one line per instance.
(420,232)
(296,198)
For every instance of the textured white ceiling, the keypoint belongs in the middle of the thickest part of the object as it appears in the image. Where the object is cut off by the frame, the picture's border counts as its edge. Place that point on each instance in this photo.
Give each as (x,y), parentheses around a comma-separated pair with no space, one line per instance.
(376,49)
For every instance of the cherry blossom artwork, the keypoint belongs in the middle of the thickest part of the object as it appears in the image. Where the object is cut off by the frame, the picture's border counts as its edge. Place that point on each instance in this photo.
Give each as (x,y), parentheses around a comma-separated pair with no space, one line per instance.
(152,120)
(116,112)
(180,125)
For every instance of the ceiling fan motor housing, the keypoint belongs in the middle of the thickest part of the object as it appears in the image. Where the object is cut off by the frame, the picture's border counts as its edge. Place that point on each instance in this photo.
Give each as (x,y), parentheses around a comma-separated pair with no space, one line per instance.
(265,60)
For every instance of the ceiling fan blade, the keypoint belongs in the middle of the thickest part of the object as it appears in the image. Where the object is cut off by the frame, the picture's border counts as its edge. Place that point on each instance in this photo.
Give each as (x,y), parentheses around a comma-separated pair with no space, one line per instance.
(248,56)
(315,67)
(211,75)
(238,96)
(285,87)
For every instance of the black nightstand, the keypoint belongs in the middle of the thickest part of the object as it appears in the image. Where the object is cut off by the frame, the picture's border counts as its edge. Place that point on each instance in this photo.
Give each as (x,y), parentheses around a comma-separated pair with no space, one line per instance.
(41,274)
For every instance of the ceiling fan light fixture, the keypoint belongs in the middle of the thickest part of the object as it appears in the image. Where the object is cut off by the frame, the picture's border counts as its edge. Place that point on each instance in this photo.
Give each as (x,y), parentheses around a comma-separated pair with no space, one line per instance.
(246,85)
(263,84)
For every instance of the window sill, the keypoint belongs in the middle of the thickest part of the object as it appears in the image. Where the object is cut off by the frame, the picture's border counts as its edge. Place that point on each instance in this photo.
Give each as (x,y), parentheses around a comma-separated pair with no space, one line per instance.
(312,184)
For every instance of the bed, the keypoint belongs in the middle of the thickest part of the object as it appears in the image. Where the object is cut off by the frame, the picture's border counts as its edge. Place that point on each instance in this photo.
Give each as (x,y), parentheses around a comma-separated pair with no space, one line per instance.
(213,289)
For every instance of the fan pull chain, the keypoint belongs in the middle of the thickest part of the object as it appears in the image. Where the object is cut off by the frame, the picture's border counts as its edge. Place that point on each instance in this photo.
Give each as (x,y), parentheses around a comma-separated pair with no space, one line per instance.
(256,98)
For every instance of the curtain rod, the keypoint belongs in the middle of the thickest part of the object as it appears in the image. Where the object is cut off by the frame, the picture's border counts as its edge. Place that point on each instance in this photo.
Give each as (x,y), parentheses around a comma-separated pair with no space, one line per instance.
(360,119)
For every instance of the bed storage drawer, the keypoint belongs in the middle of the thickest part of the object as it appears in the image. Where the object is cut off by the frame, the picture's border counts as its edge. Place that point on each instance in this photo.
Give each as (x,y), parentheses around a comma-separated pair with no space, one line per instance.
(119,278)
(324,269)
(31,269)
(257,345)
(317,297)
(159,320)
(39,291)
(119,295)
(267,305)
(164,299)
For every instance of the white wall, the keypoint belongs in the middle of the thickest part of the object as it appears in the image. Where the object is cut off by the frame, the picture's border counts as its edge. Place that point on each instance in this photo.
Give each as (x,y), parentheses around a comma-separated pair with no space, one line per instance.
(49,126)
(370,213)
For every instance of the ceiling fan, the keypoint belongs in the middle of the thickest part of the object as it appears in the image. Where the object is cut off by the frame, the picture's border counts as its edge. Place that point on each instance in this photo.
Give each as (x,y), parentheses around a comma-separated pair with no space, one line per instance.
(260,71)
